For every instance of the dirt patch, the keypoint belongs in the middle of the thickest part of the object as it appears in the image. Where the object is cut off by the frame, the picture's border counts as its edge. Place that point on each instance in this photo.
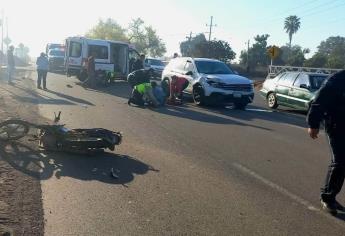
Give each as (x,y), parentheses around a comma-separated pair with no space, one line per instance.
(21,210)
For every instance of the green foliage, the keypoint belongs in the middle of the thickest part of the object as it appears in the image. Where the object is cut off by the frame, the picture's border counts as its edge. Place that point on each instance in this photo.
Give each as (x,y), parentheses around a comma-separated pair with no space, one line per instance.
(188,47)
(216,49)
(331,53)
(143,37)
(292,25)
(318,60)
(200,47)
(107,30)
(257,53)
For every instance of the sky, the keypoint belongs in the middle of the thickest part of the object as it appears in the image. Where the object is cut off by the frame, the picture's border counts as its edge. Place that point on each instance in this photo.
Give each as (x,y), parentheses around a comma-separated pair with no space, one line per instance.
(38,22)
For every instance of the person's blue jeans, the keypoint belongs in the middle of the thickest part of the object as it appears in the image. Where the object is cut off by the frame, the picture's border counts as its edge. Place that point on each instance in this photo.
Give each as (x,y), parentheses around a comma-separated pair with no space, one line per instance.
(42,75)
(10,71)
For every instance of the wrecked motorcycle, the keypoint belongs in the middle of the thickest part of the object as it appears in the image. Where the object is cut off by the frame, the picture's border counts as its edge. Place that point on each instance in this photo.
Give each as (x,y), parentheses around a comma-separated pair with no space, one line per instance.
(57,137)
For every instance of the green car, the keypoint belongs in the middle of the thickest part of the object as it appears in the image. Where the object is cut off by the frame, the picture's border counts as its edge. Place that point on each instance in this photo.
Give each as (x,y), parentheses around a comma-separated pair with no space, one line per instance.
(292,89)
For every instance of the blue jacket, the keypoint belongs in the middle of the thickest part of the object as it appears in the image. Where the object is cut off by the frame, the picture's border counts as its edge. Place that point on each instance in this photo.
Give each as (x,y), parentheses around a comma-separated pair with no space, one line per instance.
(42,63)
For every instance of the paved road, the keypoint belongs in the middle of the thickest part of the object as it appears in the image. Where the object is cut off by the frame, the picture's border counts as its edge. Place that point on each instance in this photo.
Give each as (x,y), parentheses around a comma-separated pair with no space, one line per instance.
(183,170)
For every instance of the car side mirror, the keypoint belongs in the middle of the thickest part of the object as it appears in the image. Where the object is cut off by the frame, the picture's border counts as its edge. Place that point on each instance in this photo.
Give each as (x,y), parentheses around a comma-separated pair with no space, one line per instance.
(190,73)
(304,86)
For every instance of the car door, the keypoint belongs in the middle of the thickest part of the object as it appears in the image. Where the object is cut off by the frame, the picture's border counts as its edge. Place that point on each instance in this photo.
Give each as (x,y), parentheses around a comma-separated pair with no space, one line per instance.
(283,86)
(73,53)
(299,94)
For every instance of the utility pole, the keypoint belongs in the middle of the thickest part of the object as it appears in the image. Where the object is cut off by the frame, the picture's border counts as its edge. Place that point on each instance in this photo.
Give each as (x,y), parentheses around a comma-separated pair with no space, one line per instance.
(189,37)
(211,26)
(7,33)
(2,30)
(247,67)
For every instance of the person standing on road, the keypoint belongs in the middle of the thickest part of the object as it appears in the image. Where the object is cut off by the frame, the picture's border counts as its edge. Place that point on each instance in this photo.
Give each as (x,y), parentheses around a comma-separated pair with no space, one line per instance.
(10,64)
(91,72)
(329,105)
(139,63)
(42,70)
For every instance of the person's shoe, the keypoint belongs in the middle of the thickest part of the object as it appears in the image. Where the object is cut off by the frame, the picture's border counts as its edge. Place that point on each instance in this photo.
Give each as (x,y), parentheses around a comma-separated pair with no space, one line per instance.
(339,206)
(45,88)
(329,207)
(39,87)
(129,102)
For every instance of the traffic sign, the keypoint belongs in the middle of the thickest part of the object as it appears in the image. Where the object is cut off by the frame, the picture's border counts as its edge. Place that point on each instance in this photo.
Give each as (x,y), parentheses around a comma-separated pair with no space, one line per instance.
(273,52)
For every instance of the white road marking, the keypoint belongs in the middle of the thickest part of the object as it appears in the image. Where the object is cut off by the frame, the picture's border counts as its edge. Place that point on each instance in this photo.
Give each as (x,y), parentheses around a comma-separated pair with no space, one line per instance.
(285,192)
(259,110)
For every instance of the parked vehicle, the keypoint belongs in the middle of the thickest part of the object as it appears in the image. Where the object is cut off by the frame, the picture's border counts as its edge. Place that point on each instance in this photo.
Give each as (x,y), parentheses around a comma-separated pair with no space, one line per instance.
(155,64)
(56,137)
(110,56)
(56,58)
(292,89)
(211,81)
(57,46)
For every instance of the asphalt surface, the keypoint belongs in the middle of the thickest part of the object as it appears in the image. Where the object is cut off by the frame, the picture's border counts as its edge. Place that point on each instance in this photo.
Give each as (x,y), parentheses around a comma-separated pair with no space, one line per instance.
(183,170)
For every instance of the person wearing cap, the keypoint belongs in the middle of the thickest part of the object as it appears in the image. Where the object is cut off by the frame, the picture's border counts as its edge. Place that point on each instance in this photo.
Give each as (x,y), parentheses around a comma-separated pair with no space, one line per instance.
(42,70)
(10,63)
(139,63)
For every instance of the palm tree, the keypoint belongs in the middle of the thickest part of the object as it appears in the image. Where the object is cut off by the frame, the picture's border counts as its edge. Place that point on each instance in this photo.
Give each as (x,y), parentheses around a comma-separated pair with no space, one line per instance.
(291,25)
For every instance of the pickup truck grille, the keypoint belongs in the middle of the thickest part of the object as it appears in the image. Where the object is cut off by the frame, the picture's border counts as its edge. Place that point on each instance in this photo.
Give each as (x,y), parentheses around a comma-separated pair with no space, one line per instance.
(235,87)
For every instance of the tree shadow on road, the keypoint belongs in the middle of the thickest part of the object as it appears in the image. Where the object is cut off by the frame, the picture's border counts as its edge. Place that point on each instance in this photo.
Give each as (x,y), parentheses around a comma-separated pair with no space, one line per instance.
(118,88)
(71,98)
(188,112)
(44,165)
(253,112)
(35,98)
(43,98)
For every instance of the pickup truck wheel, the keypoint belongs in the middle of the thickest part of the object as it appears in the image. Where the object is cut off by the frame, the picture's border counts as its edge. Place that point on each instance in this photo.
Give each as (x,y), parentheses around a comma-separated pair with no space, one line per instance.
(199,95)
(272,101)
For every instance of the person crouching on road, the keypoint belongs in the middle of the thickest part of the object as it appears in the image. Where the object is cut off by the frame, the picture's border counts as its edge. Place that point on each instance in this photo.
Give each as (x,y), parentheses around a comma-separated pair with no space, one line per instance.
(42,70)
(139,80)
(329,105)
(177,85)
(158,93)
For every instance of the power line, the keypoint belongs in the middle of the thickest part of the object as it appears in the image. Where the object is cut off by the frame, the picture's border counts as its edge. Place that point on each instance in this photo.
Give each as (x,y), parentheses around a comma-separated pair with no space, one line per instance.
(323,10)
(289,10)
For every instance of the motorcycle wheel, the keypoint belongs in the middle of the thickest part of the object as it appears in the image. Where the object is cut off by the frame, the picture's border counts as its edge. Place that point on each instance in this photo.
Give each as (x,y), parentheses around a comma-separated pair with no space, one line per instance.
(13,129)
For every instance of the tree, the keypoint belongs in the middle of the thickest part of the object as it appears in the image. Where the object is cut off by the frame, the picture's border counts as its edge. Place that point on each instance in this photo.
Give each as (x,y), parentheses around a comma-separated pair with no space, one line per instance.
(137,34)
(187,47)
(296,56)
(155,46)
(145,38)
(318,60)
(257,53)
(292,25)
(331,53)
(107,30)
(216,49)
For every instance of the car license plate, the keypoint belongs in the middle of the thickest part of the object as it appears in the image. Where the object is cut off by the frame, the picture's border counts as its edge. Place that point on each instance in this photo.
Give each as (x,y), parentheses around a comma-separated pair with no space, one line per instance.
(237,95)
